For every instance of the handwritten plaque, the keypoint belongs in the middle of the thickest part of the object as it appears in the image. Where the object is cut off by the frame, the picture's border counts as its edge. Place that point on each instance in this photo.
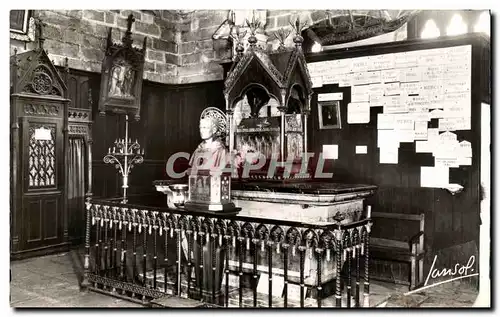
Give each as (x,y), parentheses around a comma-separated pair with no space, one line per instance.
(452,124)
(391,89)
(390,75)
(385,121)
(330,96)
(360,93)
(358,112)
(421,130)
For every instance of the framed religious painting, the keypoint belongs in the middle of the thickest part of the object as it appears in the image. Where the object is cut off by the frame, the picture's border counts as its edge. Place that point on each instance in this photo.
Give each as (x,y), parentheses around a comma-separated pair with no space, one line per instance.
(22,25)
(122,73)
(329,114)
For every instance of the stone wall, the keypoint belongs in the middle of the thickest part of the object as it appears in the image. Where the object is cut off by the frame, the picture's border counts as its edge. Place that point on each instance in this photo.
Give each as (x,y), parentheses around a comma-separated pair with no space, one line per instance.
(81,36)
(179,47)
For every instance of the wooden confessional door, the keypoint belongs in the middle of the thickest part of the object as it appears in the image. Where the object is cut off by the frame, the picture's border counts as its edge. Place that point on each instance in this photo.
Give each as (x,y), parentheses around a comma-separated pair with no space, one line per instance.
(42,183)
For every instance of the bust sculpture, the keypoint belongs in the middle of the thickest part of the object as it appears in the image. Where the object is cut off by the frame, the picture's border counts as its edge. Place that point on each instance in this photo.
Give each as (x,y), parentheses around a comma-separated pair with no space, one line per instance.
(211,152)
(209,180)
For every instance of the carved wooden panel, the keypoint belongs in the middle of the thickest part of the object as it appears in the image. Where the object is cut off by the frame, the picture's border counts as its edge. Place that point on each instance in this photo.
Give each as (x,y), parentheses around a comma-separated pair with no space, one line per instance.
(78,130)
(43,82)
(51,219)
(41,156)
(43,222)
(33,216)
(39,109)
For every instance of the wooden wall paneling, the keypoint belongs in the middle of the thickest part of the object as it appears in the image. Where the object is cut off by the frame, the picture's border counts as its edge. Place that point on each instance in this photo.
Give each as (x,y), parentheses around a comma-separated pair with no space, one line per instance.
(443,220)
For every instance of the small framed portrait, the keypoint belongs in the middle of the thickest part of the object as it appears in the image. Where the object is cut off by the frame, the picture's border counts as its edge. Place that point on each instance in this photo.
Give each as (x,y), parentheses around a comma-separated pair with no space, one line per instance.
(22,25)
(329,114)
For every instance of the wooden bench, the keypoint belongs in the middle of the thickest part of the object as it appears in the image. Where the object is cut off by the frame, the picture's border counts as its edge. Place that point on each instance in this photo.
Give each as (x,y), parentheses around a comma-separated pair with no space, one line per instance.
(408,247)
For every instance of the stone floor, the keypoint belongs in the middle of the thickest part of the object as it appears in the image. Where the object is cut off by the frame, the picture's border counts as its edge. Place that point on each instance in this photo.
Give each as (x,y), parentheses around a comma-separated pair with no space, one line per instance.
(53,281)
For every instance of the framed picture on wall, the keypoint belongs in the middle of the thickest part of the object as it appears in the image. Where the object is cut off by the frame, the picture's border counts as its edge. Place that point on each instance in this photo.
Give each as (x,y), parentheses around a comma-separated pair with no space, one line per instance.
(22,25)
(329,114)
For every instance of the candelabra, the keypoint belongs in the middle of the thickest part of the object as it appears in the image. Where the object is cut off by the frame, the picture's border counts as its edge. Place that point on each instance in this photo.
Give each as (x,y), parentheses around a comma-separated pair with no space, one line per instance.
(125,155)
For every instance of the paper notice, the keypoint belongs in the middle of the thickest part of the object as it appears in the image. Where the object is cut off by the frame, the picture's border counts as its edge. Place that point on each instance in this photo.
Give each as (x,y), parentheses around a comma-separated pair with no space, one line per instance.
(376,90)
(385,121)
(332,78)
(456,71)
(403,122)
(360,64)
(406,59)
(330,96)
(457,85)
(376,101)
(358,112)
(458,97)
(434,72)
(421,116)
(447,136)
(421,130)
(384,61)
(405,136)
(433,135)
(395,108)
(345,80)
(414,101)
(433,88)
(411,74)
(387,138)
(391,89)
(446,149)
(361,149)
(431,58)
(390,75)
(465,161)
(423,147)
(373,77)
(330,151)
(445,162)
(317,82)
(435,177)
(436,114)
(457,109)
(465,148)
(453,124)
(43,134)
(389,155)
(410,88)
(360,93)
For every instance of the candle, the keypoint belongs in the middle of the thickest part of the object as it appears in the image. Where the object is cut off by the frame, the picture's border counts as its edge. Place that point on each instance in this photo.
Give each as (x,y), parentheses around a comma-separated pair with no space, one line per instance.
(369,212)
(129,140)
(109,150)
(142,151)
(135,141)
(113,149)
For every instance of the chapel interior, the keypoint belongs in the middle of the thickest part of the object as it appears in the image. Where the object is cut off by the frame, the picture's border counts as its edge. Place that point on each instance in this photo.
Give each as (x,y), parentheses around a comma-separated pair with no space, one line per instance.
(252,158)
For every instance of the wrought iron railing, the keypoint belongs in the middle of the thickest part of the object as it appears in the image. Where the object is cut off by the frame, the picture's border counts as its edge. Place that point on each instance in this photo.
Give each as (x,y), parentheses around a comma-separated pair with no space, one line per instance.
(145,253)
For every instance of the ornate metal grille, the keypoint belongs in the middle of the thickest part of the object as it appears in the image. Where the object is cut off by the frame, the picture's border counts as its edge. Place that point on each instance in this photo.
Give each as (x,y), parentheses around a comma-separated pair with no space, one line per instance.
(41,158)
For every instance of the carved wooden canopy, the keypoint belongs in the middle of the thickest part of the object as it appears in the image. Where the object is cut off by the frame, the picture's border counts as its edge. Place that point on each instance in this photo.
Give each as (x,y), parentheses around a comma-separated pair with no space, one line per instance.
(282,73)
(122,73)
(33,73)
